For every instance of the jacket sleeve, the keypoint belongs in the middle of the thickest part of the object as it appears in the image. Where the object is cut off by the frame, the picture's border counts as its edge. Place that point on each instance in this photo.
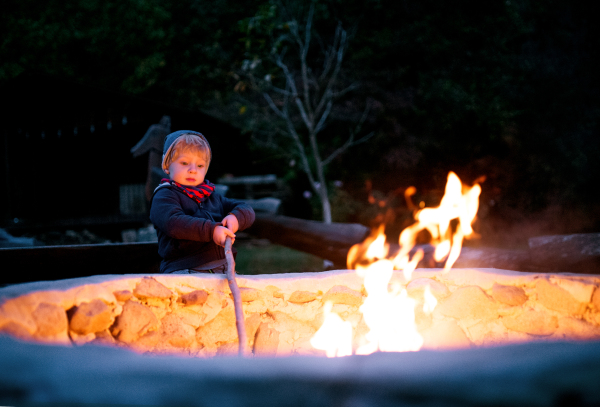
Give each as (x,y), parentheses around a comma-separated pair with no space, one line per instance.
(241,210)
(167,215)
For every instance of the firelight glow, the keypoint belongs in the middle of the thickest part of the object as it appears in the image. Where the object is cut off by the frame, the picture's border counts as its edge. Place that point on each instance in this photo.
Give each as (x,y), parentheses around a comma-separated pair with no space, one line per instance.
(335,336)
(389,314)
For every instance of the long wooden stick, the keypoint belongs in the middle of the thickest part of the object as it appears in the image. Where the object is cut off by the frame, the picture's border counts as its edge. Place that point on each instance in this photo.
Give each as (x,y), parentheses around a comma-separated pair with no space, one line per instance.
(237,299)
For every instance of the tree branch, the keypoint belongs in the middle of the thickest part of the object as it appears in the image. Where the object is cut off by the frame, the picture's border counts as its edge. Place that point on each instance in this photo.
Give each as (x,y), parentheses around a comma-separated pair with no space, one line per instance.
(281,91)
(288,76)
(321,123)
(307,121)
(237,300)
(306,110)
(304,67)
(351,142)
(299,146)
(272,104)
(330,53)
(342,92)
(340,56)
(290,81)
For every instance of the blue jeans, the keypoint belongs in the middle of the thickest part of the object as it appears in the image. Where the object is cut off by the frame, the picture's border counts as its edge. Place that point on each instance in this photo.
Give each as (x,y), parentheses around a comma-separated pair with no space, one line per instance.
(217,270)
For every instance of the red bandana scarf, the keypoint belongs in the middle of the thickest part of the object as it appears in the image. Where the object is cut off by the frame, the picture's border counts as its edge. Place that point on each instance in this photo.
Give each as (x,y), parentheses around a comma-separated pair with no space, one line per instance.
(198,193)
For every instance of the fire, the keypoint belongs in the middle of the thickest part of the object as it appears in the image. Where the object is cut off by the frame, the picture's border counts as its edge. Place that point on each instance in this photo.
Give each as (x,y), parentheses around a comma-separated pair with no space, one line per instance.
(389,314)
(430,301)
(335,335)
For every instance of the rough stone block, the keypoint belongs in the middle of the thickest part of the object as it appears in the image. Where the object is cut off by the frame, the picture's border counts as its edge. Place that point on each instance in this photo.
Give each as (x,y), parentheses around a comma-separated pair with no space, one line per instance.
(135,320)
(284,323)
(508,294)
(220,329)
(487,333)
(190,317)
(445,335)
(285,345)
(213,305)
(250,294)
(558,299)
(104,338)
(18,311)
(468,302)
(51,319)
(596,299)
(259,306)
(228,349)
(196,297)
(176,333)
(580,290)
(266,341)
(79,340)
(17,330)
(340,294)
(252,323)
(150,288)
(416,288)
(532,322)
(158,308)
(231,346)
(300,297)
(89,292)
(275,291)
(90,317)
(123,295)
(302,312)
(575,328)
(147,341)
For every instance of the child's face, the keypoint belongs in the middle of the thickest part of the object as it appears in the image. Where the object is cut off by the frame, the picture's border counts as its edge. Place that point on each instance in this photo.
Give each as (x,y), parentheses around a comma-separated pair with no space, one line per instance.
(188,169)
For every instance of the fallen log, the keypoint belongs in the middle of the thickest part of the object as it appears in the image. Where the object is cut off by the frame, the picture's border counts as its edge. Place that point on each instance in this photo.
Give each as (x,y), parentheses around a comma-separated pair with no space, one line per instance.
(577,253)
(327,241)
(490,257)
(333,241)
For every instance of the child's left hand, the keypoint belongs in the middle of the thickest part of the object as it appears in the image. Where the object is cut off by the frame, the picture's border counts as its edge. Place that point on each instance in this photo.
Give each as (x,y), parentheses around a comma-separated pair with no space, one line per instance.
(231,223)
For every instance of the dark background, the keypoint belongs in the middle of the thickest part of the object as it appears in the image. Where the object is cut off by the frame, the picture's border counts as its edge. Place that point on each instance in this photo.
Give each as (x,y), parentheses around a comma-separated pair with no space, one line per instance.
(506,89)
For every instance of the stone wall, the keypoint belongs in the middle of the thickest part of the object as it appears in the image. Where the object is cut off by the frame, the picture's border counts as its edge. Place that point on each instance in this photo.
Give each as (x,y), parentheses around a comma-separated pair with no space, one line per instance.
(194,315)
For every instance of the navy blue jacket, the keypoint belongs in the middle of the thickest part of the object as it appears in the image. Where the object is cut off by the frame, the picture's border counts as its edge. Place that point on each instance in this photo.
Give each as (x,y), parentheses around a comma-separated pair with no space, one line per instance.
(185,228)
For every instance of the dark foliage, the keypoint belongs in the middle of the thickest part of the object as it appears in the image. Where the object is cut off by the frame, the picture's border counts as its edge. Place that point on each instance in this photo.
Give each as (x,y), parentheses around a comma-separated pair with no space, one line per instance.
(503,89)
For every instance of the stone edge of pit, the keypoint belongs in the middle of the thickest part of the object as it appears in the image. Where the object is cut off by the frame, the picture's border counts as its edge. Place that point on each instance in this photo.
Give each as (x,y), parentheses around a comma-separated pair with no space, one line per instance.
(484,277)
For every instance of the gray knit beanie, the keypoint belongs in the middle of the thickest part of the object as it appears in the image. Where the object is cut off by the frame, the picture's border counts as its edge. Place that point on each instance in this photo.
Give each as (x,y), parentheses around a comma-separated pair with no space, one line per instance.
(171,138)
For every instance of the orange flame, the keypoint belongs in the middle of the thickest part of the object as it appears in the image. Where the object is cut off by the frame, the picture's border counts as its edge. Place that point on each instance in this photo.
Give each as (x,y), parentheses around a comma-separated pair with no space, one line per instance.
(390,314)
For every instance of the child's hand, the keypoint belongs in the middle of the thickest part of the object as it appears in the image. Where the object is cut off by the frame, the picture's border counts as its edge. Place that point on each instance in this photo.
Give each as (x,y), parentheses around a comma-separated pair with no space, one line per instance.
(231,223)
(221,234)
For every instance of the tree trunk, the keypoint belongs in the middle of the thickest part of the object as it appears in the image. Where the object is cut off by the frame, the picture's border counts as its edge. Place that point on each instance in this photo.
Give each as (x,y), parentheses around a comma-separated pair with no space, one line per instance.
(326,207)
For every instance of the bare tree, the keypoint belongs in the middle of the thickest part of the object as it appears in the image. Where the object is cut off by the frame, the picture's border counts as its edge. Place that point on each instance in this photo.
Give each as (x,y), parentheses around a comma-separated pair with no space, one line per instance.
(304,101)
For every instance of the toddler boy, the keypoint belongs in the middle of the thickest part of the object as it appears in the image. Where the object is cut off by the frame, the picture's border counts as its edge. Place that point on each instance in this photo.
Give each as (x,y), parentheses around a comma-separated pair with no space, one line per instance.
(191,219)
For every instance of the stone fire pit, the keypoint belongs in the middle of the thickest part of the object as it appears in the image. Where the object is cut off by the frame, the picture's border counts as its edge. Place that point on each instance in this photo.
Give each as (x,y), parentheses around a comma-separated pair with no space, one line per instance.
(71,341)
(194,315)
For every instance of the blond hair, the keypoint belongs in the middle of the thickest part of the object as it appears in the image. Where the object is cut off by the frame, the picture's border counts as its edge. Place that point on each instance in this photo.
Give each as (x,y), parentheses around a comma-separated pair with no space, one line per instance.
(192,143)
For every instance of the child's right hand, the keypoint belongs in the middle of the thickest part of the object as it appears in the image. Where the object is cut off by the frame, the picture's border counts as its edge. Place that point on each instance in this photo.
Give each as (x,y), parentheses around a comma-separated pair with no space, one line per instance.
(220,235)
